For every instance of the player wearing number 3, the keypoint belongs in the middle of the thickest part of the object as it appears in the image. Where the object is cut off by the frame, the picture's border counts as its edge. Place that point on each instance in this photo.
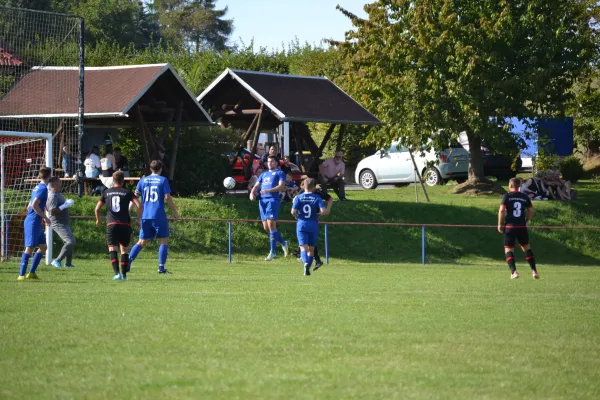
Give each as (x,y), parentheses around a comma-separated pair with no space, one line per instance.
(118,222)
(154,190)
(515,211)
(306,208)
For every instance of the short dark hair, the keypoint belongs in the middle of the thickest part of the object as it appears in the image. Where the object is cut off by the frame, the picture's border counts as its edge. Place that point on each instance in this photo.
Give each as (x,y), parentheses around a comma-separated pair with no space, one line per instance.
(156,166)
(515,182)
(310,183)
(117,149)
(118,178)
(273,157)
(45,173)
(54,180)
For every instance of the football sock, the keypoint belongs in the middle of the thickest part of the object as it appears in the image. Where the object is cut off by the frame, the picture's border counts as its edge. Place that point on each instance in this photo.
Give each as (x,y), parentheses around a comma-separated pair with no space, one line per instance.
(316,253)
(278,237)
(125,263)
(309,260)
(163,252)
(530,259)
(510,260)
(24,262)
(135,250)
(114,261)
(35,261)
(273,242)
(303,256)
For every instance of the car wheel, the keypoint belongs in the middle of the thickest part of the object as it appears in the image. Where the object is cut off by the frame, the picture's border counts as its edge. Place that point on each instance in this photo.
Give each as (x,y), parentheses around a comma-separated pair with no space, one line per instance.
(432,177)
(367,179)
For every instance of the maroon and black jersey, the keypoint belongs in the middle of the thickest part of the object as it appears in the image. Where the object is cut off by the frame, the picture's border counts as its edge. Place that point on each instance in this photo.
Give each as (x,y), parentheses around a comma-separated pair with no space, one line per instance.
(117,201)
(323,195)
(517,205)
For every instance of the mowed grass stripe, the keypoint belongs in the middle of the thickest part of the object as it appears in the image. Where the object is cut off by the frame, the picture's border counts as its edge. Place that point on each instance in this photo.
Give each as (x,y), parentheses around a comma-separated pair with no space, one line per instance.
(256,330)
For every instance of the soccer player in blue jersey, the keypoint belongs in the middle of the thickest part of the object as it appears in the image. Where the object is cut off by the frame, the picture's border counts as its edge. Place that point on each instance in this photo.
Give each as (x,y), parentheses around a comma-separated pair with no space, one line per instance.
(271,182)
(153,190)
(306,209)
(34,230)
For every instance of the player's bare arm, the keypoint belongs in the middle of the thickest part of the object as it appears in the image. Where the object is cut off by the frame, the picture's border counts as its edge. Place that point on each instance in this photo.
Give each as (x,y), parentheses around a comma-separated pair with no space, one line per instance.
(529,214)
(253,191)
(36,207)
(171,204)
(294,212)
(501,215)
(97,212)
(140,208)
(324,211)
(329,205)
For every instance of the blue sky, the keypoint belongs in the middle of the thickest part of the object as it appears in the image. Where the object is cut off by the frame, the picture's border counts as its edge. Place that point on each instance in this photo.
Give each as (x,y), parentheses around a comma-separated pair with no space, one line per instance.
(273,22)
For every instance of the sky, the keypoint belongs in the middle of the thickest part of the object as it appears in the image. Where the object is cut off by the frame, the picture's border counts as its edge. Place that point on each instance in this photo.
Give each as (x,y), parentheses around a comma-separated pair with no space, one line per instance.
(273,22)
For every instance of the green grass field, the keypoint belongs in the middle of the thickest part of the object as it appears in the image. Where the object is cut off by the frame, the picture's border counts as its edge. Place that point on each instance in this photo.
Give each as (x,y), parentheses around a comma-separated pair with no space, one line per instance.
(256,330)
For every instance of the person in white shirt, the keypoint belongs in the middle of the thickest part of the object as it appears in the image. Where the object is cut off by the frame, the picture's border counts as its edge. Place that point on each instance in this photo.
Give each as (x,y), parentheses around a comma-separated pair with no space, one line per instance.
(92,163)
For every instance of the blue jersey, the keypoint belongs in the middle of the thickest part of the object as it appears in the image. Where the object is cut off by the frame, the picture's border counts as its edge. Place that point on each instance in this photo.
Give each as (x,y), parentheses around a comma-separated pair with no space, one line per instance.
(269,180)
(39,192)
(308,206)
(152,190)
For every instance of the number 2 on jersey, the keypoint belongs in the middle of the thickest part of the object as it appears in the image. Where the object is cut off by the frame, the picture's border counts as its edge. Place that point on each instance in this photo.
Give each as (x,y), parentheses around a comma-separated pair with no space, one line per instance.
(151,194)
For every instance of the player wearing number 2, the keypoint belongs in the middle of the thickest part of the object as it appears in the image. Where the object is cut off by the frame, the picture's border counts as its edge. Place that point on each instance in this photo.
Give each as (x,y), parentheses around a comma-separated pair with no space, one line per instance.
(118,222)
(154,189)
(306,208)
(515,211)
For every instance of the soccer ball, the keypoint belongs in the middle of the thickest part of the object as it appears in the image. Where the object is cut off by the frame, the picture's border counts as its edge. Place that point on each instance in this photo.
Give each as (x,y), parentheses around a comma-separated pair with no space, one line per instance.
(229,182)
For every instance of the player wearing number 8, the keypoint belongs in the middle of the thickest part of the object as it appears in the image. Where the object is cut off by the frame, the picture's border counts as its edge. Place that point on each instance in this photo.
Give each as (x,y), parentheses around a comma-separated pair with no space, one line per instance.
(118,222)
(154,189)
(306,208)
(514,213)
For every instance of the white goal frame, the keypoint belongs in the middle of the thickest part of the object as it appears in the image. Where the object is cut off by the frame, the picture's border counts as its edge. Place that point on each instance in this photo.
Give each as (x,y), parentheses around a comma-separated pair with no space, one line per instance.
(30,135)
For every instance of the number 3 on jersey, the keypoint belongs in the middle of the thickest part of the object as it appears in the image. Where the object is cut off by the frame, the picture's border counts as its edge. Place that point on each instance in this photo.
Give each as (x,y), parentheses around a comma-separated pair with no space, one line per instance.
(151,194)
(517,210)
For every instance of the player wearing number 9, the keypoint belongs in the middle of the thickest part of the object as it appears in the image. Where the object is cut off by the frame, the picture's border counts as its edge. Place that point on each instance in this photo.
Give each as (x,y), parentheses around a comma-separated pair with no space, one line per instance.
(514,213)
(306,208)
(153,190)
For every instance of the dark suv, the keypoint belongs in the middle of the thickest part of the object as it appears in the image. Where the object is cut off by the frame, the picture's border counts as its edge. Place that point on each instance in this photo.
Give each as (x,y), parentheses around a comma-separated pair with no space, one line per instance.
(495,164)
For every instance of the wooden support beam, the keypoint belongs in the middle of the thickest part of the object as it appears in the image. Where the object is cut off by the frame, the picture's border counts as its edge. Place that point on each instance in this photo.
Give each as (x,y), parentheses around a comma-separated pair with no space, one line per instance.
(144,140)
(326,139)
(166,126)
(340,138)
(254,143)
(299,153)
(156,110)
(60,129)
(175,140)
(247,111)
(246,135)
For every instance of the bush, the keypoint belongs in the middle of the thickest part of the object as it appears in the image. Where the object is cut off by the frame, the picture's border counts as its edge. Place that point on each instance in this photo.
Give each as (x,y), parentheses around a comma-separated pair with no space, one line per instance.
(546,162)
(571,169)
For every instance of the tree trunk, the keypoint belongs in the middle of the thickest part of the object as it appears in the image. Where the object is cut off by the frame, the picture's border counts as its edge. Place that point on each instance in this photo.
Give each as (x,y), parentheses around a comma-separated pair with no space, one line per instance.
(475,157)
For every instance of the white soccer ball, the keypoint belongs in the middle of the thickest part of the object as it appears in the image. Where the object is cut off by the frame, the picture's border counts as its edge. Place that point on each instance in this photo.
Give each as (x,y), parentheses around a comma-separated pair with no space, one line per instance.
(229,182)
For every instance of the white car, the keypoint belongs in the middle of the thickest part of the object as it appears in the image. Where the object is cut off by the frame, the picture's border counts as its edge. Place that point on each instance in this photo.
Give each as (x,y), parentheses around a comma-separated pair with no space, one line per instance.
(394,165)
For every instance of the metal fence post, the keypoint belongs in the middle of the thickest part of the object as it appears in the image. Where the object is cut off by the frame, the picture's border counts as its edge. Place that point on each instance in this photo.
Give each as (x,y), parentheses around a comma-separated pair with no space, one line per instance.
(326,247)
(422,244)
(229,245)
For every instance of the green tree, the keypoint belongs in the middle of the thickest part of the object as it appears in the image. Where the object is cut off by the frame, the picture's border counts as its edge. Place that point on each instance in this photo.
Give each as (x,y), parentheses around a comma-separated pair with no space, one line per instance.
(448,66)
(585,110)
(198,22)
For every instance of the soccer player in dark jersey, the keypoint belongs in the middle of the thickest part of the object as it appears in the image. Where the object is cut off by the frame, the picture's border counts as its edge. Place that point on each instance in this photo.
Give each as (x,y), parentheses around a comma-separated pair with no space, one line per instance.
(306,209)
(154,190)
(515,211)
(118,222)
(270,183)
(34,230)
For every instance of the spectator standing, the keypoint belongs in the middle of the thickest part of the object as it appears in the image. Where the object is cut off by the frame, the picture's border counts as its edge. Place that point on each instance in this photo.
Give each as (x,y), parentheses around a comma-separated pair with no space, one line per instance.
(92,163)
(331,172)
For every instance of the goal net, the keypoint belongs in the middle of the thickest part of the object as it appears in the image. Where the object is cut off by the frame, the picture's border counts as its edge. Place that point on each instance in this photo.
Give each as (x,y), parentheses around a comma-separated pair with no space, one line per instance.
(22,154)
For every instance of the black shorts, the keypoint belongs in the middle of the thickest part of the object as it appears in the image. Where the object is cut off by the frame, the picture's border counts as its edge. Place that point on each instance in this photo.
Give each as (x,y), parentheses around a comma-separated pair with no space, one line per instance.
(118,234)
(513,235)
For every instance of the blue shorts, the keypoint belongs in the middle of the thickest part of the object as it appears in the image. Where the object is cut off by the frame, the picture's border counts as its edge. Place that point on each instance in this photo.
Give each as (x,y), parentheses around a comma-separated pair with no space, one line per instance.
(154,228)
(307,237)
(34,231)
(269,208)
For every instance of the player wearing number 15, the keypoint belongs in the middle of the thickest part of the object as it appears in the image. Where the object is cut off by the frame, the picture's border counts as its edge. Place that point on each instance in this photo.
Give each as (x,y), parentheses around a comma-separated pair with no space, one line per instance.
(515,211)
(154,189)
(118,222)
(306,208)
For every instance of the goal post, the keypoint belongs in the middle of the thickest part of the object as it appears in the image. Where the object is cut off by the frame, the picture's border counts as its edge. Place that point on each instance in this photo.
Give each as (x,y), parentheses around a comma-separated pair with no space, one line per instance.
(22,154)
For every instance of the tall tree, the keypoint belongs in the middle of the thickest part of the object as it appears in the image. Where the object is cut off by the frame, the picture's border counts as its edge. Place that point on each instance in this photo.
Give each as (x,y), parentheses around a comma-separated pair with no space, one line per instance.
(196,22)
(448,66)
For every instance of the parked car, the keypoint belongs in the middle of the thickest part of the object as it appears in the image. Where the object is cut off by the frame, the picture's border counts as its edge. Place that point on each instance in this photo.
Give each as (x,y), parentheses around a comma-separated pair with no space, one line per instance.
(238,168)
(394,165)
(498,165)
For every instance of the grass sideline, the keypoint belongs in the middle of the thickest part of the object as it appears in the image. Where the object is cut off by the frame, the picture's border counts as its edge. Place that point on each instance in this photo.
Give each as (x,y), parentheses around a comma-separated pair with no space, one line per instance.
(250,330)
(377,244)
